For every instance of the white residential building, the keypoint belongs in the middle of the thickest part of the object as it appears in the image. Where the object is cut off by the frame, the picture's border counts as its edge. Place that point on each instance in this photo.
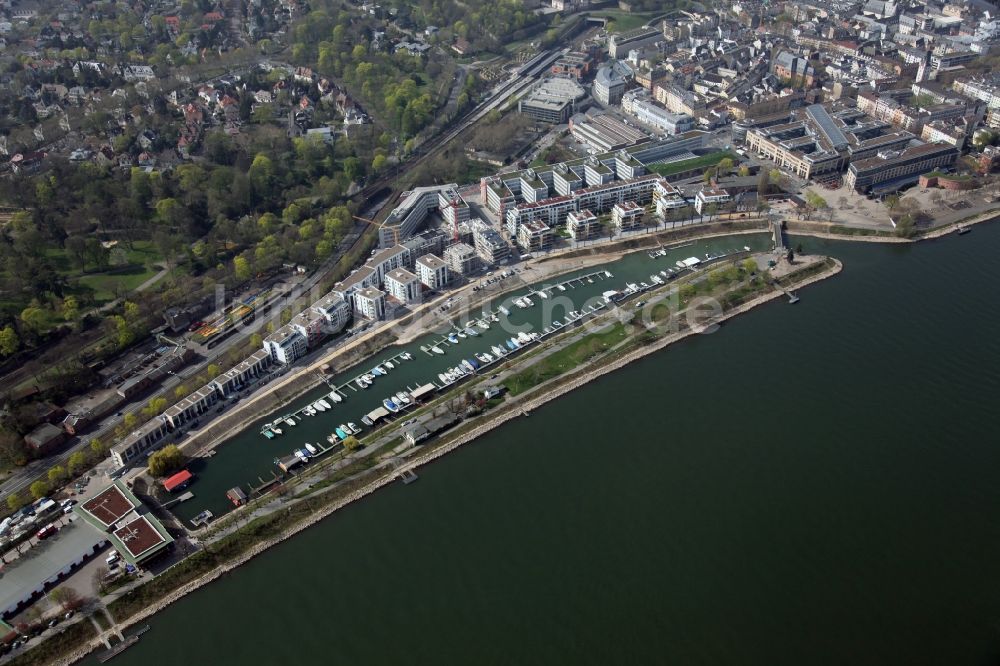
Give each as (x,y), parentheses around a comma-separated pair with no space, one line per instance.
(432,271)
(626,216)
(370,302)
(403,285)
(582,225)
(285,345)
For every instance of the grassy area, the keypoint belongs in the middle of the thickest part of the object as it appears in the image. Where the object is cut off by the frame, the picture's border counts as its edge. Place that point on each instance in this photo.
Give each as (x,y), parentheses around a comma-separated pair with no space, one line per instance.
(129,269)
(694,163)
(104,287)
(566,358)
(621,21)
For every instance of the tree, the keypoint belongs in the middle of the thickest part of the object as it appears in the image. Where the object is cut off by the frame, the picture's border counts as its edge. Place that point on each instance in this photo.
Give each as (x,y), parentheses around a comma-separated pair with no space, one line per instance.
(351,443)
(67,597)
(213,370)
(256,340)
(725,165)
(776,177)
(743,171)
(33,318)
(70,308)
(891,201)
(166,460)
(241,266)
(815,201)
(763,184)
(77,461)
(378,163)
(15,501)
(97,446)
(9,342)
(39,489)
(56,475)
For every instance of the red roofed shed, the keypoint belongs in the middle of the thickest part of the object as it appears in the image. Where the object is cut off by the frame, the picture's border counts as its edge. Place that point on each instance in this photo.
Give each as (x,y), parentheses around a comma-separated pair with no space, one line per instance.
(177,481)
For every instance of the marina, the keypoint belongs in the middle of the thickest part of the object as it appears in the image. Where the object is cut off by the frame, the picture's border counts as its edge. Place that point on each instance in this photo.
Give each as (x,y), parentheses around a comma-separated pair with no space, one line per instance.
(383,389)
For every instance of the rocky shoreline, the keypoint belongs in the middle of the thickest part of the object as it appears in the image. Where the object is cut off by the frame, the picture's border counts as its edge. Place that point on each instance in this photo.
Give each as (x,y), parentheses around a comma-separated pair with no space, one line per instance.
(514,410)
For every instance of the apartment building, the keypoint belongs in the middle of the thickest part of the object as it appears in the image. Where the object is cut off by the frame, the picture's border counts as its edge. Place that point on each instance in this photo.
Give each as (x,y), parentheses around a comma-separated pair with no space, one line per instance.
(620,44)
(403,285)
(582,225)
(370,302)
(534,236)
(626,216)
(489,244)
(285,345)
(432,271)
(462,259)
(711,197)
(413,208)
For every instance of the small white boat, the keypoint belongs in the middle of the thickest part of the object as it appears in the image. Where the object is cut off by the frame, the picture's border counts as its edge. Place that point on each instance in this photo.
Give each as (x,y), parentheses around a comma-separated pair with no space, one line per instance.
(402,398)
(494,317)
(362,382)
(276,431)
(354,427)
(504,311)
(335,396)
(406,356)
(312,449)
(461,334)
(528,302)
(369,377)
(382,368)
(290,421)
(309,411)
(325,404)
(389,365)
(437,350)
(318,406)
(561,287)
(444,378)
(523,337)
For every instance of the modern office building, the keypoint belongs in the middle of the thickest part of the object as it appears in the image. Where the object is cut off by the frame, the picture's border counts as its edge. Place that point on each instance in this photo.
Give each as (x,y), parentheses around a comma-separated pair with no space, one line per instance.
(534,236)
(552,100)
(889,171)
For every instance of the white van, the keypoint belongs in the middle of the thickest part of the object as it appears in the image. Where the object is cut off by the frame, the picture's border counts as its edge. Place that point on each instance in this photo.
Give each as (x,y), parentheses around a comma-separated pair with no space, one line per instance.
(112,558)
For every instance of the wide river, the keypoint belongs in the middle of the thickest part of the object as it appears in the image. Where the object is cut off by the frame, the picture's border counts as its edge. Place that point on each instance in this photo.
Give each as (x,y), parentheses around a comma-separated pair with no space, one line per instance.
(812,484)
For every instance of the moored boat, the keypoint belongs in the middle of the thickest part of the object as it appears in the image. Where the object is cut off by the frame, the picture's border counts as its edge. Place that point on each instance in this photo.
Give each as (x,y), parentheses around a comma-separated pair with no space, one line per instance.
(504,311)
(312,449)
(471,332)
(335,396)
(341,433)
(402,398)
(452,338)
(437,350)
(290,421)
(276,431)
(354,427)
(325,404)
(390,405)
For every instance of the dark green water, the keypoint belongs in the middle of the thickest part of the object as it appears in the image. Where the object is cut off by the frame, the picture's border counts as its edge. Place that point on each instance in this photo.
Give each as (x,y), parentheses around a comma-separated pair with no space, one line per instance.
(813,484)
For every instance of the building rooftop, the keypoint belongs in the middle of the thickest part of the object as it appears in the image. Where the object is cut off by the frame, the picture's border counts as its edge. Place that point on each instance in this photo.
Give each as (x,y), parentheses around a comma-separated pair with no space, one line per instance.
(432,262)
(139,538)
(110,505)
(371,293)
(401,275)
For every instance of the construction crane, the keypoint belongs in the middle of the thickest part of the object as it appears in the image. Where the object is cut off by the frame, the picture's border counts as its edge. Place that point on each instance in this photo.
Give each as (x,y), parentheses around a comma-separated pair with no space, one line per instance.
(395,229)
(454,220)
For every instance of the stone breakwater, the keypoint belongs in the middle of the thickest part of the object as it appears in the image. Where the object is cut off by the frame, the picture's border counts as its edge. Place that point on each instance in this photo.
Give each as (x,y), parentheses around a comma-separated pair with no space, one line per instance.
(512,411)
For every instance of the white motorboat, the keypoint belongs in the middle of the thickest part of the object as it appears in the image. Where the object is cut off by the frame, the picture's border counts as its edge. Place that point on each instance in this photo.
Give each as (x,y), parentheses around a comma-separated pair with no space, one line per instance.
(444,378)
(318,406)
(437,350)
(389,365)
(290,421)
(561,287)
(325,404)
(369,377)
(276,431)
(335,396)
(504,311)
(402,398)
(312,449)
(354,427)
